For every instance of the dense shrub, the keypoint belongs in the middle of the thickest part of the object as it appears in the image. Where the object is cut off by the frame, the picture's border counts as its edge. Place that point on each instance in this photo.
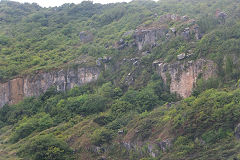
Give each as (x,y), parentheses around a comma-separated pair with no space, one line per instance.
(119,108)
(101,136)
(26,126)
(213,110)
(103,120)
(46,147)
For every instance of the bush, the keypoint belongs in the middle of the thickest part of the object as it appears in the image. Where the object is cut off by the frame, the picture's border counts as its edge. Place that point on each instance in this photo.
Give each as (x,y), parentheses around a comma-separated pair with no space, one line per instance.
(103,120)
(120,121)
(94,104)
(26,126)
(213,136)
(145,129)
(28,107)
(146,100)
(184,146)
(203,85)
(121,107)
(46,147)
(101,136)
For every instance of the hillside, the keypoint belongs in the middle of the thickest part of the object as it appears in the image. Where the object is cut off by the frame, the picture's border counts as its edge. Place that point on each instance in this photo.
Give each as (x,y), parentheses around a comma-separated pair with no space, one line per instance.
(141,80)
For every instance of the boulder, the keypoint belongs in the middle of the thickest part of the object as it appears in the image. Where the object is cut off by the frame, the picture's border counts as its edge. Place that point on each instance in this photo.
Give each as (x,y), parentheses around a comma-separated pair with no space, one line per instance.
(221,16)
(86,36)
(102,60)
(120,131)
(165,144)
(121,44)
(174,31)
(237,131)
(181,56)
(151,150)
(186,33)
(185,18)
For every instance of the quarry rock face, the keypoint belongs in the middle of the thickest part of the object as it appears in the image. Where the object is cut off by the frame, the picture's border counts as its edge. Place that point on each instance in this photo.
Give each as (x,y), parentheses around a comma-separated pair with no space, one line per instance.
(15,90)
(183,75)
(149,37)
(160,30)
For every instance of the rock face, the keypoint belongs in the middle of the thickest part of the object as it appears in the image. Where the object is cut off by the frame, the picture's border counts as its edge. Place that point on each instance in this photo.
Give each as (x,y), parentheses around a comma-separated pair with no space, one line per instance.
(160,30)
(183,75)
(149,37)
(15,90)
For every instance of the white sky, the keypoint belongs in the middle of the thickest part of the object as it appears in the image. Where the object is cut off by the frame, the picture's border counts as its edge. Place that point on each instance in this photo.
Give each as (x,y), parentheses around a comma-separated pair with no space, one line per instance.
(53,3)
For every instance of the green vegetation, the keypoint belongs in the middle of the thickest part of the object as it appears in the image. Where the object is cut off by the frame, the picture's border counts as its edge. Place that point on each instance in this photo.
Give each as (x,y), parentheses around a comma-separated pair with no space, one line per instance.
(46,147)
(129,112)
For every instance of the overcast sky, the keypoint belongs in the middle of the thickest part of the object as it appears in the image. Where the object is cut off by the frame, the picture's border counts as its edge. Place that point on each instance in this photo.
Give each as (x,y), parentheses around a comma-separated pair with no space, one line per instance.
(53,3)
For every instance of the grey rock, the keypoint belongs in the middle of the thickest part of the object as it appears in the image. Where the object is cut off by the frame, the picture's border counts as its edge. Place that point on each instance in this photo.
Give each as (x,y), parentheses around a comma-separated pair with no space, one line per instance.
(120,131)
(121,44)
(86,36)
(128,33)
(221,16)
(98,62)
(185,18)
(16,89)
(181,56)
(183,75)
(237,131)
(165,144)
(186,33)
(149,37)
(151,150)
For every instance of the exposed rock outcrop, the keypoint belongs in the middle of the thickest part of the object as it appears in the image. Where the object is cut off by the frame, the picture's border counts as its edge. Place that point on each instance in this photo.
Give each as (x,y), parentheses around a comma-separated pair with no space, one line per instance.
(237,131)
(148,36)
(86,36)
(221,16)
(15,90)
(165,144)
(183,76)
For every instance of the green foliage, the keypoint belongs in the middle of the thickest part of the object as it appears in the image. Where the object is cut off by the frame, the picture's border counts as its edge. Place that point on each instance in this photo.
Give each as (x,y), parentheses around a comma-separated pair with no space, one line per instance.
(120,108)
(214,136)
(46,147)
(26,126)
(101,136)
(216,110)
(34,38)
(203,85)
(120,121)
(145,129)
(28,107)
(103,120)
(147,100)
(184,146)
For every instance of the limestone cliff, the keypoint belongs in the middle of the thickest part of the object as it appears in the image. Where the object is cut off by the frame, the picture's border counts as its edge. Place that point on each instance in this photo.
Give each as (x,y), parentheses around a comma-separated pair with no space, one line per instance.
(15,90)
(161,30)
(183,75)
